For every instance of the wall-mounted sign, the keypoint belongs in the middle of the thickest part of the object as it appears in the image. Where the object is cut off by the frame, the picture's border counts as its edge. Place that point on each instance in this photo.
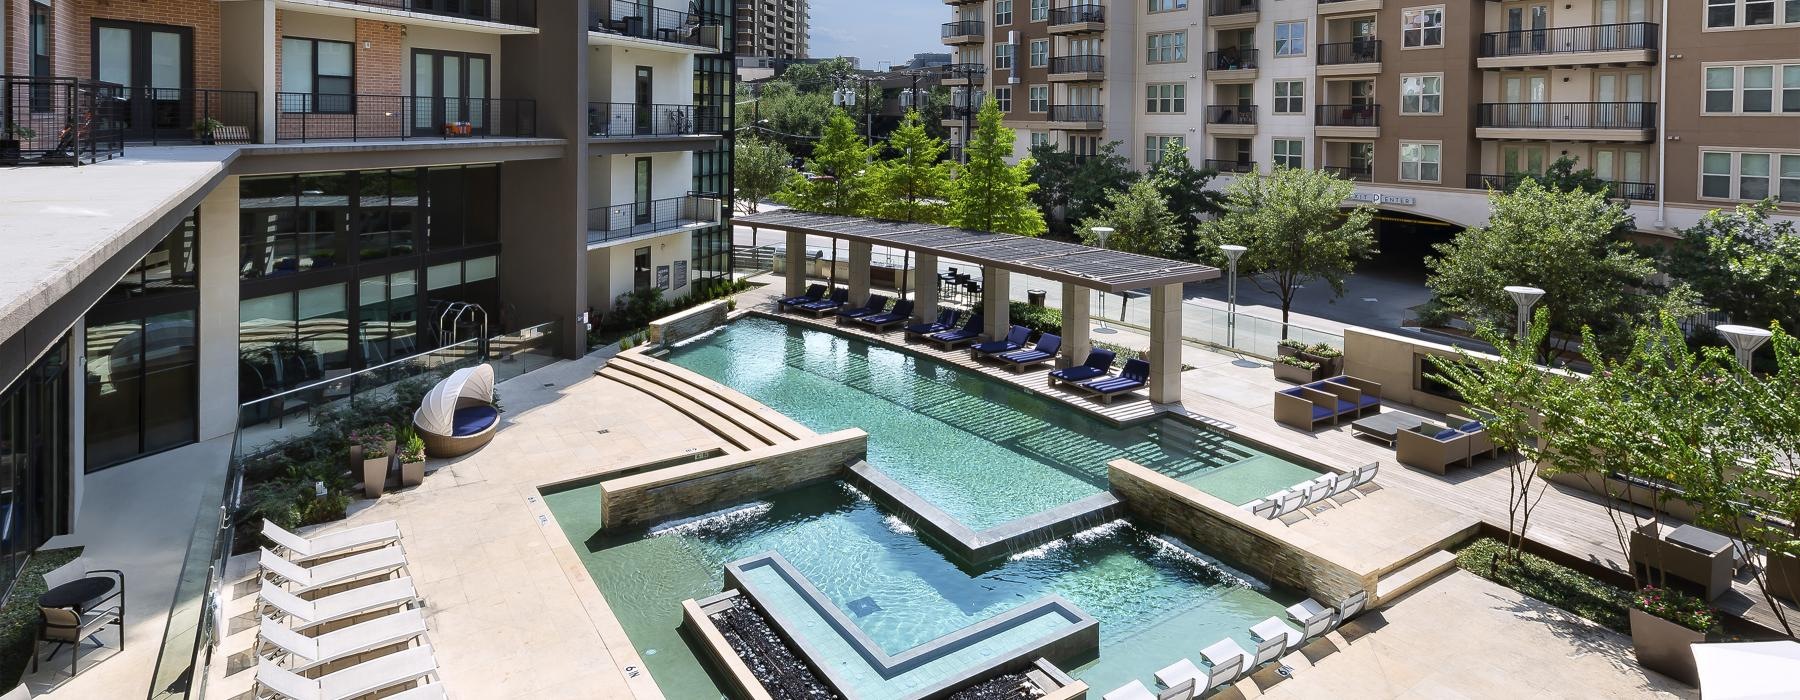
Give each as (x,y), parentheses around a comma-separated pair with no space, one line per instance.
(662,277)
(681,279)
(1379,198)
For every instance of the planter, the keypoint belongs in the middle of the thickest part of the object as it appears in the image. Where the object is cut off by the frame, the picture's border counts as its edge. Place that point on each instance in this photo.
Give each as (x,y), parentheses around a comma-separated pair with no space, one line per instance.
(1784,577)
(374,469)
(1328,366)
(412,473)
(1285,351)
(1662,646)
(1289,373)
(9,151)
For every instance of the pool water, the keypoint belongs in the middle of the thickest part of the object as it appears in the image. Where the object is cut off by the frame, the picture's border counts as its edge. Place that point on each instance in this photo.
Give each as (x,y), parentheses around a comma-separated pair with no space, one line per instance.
(1156,600)
(982,450)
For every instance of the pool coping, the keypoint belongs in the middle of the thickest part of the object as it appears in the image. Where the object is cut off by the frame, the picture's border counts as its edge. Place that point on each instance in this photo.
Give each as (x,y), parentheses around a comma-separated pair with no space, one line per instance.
(1081,639)
(981,546)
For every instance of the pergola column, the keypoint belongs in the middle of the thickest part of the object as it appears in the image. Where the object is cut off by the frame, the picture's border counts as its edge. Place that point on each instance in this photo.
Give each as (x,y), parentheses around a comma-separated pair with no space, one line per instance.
(1165,343)
(996,285)
(860,252)
(925,293)
(1075,322)
(796,263)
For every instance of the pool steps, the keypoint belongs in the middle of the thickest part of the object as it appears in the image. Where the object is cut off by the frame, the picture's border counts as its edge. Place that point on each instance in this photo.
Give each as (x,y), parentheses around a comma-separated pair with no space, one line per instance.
(742,423)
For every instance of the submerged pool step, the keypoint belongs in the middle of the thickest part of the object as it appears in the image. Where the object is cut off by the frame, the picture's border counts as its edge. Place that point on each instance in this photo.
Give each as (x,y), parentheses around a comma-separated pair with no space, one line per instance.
(729,423)
(771,425)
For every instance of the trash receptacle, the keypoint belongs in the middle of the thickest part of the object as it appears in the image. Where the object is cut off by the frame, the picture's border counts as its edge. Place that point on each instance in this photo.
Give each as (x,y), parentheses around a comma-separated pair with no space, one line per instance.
(1035,296)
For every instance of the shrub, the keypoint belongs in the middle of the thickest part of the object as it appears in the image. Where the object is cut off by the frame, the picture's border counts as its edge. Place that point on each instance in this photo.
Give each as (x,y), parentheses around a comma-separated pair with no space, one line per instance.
(1677,607)
(1040,319)
(18,620)
(1295,361)
(1292,344)
(412,447)
(1558,585)
(1323,350)
(373,440)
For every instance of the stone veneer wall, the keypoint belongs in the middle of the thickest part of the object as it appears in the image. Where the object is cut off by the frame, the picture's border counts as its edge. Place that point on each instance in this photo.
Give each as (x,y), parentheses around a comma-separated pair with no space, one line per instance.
(644,498)
(687,324)
(1231,532)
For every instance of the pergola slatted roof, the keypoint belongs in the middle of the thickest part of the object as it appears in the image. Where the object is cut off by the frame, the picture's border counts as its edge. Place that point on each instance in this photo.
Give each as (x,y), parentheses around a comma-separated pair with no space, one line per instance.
(1095,268)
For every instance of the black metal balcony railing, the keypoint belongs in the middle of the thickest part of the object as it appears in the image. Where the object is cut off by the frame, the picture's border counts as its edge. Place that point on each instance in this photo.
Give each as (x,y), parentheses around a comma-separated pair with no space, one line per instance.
(1357,51)
(967,27)
(1221,8)
(1566,115)
(649,22)
(1356,173)
(627,120)
(1231,114)
(1077,14)
(1230,166)
(311,117)
(965,71)
(1064,65)
(1231,59)
(633,219)
(1596,37)
(1077,113)
(59,121)
(1505,183)
(162,116)
(1347,115)
(518,12)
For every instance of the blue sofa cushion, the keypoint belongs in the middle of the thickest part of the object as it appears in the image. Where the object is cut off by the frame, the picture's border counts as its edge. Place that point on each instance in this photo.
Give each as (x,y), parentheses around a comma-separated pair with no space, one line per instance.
(1077,374)
(1320,412)
(1345,406)
(472,420)
(1292,392)
(1367,400)
(1472,427)
(1446,435)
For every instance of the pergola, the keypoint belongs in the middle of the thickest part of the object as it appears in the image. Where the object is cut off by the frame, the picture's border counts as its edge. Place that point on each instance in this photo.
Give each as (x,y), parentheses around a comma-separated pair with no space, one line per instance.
(1078,267)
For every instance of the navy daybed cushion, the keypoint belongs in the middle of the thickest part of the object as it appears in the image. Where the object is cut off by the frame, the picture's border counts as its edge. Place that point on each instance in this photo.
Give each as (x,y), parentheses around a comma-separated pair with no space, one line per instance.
(472,420)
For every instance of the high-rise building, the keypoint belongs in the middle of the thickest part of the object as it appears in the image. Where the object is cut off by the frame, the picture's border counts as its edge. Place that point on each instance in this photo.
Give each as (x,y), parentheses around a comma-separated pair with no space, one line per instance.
(772,29)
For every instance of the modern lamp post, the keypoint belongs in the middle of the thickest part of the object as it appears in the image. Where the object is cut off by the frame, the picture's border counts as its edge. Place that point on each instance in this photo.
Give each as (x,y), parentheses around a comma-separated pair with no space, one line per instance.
(1103,233)
(1232,253)
(1745,340)
(1525,297)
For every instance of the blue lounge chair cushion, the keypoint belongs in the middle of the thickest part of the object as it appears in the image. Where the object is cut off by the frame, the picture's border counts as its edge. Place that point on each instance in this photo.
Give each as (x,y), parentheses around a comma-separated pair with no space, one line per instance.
(924,328)
(472,420)
(1472,427)
(1320,412)
(994,346)
(1032,355)
(1080,373)
(1114,385)
(1446,435)
(1345,406)
(957,334)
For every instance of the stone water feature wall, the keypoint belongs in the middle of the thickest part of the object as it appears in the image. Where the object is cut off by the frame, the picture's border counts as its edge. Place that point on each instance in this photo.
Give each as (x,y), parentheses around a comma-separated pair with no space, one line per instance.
(651,496)
(677,327)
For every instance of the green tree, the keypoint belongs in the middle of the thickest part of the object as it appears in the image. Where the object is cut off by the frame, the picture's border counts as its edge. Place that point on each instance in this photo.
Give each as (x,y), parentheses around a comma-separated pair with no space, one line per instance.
(988,194)
(843,179)
(787,114)
(1184,186)
(1562,176)
(1296,231)
(759,169)
(912,185)
(1141,221)
(1071,187)
(1744,264)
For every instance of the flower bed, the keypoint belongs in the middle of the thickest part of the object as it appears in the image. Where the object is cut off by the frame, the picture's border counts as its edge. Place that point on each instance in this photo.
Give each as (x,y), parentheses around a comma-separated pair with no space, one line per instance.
(1558,585)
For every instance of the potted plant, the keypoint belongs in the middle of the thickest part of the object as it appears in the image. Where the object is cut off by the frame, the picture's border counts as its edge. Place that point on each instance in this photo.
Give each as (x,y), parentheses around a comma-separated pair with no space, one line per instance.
(1289,347)
(1296,370)
(1663,623)
(412,460)
(1330,359)
(376,453)
(204,128)
(10,138)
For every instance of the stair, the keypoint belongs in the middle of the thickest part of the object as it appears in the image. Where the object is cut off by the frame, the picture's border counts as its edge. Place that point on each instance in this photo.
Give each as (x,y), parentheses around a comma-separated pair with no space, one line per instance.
(736,418)
(1414,573)
(736,438)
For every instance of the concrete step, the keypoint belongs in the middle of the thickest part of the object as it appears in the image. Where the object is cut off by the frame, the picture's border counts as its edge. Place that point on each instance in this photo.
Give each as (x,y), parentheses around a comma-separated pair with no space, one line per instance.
(761,420)
(645,375)
(737,439)
(1412,574)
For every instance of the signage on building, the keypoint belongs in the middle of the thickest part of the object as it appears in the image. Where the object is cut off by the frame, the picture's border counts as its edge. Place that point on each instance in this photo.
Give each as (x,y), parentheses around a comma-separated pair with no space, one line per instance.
(662,276)
(681,274)
(1379,198)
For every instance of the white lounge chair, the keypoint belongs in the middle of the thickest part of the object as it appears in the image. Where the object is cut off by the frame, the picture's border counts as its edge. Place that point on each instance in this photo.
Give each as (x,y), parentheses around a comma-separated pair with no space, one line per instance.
(302,614)
(1264,507)
(1266,650)
(351,568)
(1274,628)
(302,652)
(1366,473)
(1135,690)
(1182,671)
(1222,673)
(1351,607)
(1290,502)
(1320,489)
(301,548)
(1343,483)
(361,679)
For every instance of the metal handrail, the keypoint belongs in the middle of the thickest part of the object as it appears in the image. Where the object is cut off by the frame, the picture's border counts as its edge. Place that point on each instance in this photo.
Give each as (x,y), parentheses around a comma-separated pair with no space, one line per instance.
(304,116)
(1347,115)
(627,120)
(1622,189)
(1229,166)
(647,21)
(633,219)
(517,12)
(961,28)
(1221,8)
(172,114)
(1566,115)
(1350,52)
(1077,64)
(1362,174)
(1231,114)
(1231,59)
(60,121)
(965,71)
(1077,113)
(1077,14)
(1628,36)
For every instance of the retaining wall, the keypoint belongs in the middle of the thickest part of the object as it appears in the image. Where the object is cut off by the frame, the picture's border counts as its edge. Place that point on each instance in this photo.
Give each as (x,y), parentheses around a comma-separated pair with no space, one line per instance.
(651,496)
(677,327)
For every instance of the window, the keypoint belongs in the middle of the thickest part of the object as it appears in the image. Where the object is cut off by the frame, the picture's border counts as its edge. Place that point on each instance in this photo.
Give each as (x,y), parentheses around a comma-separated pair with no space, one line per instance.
(1790,179)
(1759,89)
(1421,94)
(1156,146)
(1166,47)
(1040,10)
(1040,138)
(1003,12)
(1753,175)
(1290,153)
(1721,89)
(1040,53)
(1725,14)
(1290,97)
(1419,161)
(1290,38)
(1750,176)
(1715,175)
(1003,98)
(1166,5)
(317,76)
(1037,98)
(142,355)
(1790,87)
(1421,27)
(1166,98)
(1003,56)
(1752,89)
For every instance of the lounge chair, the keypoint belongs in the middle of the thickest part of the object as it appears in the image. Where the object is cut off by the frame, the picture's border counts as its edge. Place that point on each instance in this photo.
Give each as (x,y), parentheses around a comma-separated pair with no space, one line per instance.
(1226,660)
(1343,483)
(1048,345)
(813,293)
(1263,507)
(1431,447)
(1266,650)
(1290,501)
(1134,376)
(875,305)
(1351,606)
(839,297)
(901,313)
(1183,671)
(304,653)
(1135,690)
(362,679)
(1480,443)
(300,614)
(302,549)
(1366,473)
(968,333)
(458,416)
(946,320)
(1274,630)
(1015,339)
(1314,619)
(1320,489)
(1098,363)
(375,562)
(1305,407)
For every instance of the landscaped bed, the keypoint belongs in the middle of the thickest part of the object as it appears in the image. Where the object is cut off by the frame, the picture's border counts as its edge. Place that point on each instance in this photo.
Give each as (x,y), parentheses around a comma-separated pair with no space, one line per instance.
(1578,593)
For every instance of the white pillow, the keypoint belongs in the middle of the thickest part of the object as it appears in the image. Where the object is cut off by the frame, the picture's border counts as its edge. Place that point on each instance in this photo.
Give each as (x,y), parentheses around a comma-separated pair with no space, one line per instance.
(68,572)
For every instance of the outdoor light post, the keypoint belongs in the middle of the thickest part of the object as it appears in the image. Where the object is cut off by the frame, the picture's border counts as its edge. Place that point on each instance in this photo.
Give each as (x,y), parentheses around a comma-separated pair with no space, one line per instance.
(1103,233)
(1745,340)
(1232,253)
(1525,297)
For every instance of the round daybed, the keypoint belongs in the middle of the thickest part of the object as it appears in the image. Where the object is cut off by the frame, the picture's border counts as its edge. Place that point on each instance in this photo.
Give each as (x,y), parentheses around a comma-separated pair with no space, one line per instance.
(458,415)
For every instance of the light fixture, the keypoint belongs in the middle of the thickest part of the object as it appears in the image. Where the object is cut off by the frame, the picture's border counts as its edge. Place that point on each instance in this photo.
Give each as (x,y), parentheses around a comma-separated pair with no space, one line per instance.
(1103,233)
(1525,297)
(1745,340)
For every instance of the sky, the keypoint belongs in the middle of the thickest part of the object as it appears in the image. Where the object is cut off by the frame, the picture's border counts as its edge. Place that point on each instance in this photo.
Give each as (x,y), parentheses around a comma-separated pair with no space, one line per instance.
(877,31)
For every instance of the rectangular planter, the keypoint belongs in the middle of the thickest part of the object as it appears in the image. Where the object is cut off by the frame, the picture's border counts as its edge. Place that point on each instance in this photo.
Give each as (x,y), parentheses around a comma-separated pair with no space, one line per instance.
(1328,366)
(374,470)
(1290,373)
(1784,577)
(1662,646)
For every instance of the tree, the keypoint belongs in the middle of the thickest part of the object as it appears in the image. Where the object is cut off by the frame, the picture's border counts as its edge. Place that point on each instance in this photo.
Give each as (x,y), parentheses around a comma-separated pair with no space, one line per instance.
(1743,264)
(1184,186)
(842,181)
(988,194)
(1296,231)
(1141,221)
(911,186)
(789,114)
(759,169)
(1562,176)
(1072,187)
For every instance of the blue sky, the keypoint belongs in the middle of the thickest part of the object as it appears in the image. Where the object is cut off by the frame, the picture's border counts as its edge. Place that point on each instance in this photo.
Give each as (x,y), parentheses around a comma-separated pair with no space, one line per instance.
(893,30)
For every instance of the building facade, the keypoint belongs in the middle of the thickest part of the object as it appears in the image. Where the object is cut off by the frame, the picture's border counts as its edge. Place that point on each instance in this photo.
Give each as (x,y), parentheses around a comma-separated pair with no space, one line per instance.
(771,29)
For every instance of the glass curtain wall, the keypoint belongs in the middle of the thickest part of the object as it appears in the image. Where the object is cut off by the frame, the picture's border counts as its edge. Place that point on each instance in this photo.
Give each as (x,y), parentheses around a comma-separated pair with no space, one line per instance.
(715,88)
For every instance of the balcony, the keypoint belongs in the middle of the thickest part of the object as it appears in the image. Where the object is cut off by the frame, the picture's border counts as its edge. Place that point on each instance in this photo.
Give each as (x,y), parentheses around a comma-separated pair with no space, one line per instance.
(1619,189)
(1342,7)
(519,13)
(166,117)
(1633,43)
(1236,65)
(305,117)
(1229,14)
(1350,58)
(968,31)
(1074,69)
(1229,166)
(1633,122)
(618,22)
(1353,173)
(1077,117)
(964,74)
(1231,120)
(635,122)
(611,224)
(1077,19)
(1357,121)
(60,121)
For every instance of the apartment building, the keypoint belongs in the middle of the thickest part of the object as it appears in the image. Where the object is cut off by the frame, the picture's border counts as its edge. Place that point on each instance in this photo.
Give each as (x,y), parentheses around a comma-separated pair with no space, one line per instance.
(768,30)
(223,201)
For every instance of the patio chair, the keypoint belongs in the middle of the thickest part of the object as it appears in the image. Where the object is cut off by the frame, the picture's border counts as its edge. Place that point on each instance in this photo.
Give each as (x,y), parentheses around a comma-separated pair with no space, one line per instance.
(1134,376)
(946,320)
(1351,606)
(1264,507)
(301,549)
(458,416)
(304,653)
(1290,501)
(1015,339)
(376,562)
(362,679)
(1182,672)
(875,305)
(1480,444)
(1305,408)
(1320,489)
(1047,346)
(301,614)
(1225,659)
(66,626)
(1274,629)
(813,293)
(901,313)
(839,297)
(1135,690)
(968,333)
(1431,447)
(1098,363)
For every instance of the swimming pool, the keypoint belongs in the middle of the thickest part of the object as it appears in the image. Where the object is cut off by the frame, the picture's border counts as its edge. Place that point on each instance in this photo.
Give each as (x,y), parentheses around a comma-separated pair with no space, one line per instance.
(953,436)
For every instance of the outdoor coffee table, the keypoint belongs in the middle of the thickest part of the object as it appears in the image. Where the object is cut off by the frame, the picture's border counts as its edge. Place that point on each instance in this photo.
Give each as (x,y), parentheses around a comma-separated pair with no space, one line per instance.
(1711,543)
(1385,425)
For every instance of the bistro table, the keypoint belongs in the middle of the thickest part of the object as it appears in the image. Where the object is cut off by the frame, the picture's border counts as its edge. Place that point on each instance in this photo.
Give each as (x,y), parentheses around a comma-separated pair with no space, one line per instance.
(1385,426)
(80,595)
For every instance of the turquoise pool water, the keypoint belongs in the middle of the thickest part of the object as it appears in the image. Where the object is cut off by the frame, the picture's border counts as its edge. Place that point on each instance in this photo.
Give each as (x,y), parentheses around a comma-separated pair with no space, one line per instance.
(983,451)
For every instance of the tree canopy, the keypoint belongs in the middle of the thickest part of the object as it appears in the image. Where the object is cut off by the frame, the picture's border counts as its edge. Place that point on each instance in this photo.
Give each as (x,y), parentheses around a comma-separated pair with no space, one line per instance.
(1295,228)
(1743,263)
(843,179)
(1189,199)
(759,169)
(912,185)
(989,194)
(1072,187)
(1141,221)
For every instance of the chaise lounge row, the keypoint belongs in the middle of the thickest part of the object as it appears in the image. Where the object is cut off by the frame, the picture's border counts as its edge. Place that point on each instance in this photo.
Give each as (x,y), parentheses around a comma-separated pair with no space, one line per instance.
(1288,500)
(1226,661)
